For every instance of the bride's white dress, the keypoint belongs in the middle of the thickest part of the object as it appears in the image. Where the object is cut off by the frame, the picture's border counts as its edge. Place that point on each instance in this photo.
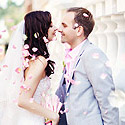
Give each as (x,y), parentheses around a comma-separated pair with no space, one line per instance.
(20,116)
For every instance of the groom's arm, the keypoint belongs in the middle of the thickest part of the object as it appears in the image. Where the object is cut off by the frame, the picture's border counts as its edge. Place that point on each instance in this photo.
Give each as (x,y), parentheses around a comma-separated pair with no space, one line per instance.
(100,76)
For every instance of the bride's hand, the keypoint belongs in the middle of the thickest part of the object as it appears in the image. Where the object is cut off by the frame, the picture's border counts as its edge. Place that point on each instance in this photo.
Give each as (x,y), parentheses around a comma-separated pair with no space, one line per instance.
(55,122)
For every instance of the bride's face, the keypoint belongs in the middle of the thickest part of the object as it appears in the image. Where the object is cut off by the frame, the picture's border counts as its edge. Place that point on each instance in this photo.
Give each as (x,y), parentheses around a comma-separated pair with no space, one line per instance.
(51,32)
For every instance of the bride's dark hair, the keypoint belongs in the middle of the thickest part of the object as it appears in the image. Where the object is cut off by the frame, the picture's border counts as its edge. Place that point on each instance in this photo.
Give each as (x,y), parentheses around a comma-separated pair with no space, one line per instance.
(37,24)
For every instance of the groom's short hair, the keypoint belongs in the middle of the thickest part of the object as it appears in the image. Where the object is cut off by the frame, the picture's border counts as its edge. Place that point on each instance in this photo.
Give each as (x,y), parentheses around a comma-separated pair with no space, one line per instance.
(83,18)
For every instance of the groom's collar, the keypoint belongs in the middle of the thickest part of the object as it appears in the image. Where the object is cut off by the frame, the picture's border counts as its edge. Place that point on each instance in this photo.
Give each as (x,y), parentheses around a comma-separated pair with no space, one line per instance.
(74,52)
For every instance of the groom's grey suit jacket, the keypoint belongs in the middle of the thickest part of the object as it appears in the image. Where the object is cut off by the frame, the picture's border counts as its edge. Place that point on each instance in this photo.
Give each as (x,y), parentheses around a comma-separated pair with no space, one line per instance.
(87,102)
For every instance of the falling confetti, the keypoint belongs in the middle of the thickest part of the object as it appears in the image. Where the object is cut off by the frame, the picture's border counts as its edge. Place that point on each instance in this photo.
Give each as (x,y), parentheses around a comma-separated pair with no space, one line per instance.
(108,64)
(5,66)
(30,76)
(13,28)
(103,76)
(14,47)
(34,49)
(36,35)
(0,36)
(26,46)
(1,50)
(31,100)
(85,15)
(3,31)
(95,55)
(18,70)
(45,39)
(24,37)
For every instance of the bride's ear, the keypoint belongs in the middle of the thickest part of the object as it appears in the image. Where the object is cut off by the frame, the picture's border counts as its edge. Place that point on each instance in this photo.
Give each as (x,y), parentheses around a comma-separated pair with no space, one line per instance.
(80,31)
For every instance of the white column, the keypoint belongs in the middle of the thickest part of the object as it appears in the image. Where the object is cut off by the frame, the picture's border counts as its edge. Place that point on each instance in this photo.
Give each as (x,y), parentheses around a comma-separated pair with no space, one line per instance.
(112,42)
(100,9)
(102,41)
(120,32)
(110,7)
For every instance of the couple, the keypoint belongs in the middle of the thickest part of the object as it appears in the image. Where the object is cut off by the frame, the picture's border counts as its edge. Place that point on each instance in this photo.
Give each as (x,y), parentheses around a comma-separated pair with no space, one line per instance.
(85,85)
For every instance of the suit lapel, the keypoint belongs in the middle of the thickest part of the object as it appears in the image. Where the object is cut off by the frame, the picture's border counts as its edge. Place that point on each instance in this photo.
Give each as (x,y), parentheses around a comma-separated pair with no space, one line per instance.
(84,46)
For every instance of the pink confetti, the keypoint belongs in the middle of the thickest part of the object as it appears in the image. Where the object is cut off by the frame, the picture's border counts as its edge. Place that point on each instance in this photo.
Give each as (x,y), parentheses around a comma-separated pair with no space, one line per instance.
(0,36)
(10,20)
(61,112)
(14,47)
(45,39)
(23,86)
(33,57)
(85,113)
(14,82)
(24,37)
(18,70)
(25,53)
(34,49)
(67,94)
(66,110)
(108,64)
(85,15)
(77,82)
(31,100)
(26,46)
(5,66)
(1,49)
(13,28)
(103,76)
(22,79)
(95,55)
(15,101)
(3,31)
(106,112)
(30,76)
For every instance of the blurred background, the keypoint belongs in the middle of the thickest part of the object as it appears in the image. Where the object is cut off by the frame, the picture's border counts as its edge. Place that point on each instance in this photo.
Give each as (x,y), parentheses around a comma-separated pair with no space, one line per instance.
(108,34)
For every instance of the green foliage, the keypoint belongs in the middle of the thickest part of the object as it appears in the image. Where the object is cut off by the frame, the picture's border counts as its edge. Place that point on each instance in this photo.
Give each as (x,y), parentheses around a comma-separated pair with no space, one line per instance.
(12,12)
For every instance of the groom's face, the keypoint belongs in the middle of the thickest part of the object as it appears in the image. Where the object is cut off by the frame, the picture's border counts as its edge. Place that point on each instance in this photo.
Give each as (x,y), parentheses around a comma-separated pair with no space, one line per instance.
(68,33)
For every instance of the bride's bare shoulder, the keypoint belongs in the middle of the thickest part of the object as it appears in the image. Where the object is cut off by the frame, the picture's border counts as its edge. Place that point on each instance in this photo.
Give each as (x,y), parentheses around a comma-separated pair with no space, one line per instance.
(39,61)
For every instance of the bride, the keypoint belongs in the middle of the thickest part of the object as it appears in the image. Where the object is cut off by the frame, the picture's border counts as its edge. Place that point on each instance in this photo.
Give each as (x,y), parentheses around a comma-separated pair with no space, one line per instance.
(25,71)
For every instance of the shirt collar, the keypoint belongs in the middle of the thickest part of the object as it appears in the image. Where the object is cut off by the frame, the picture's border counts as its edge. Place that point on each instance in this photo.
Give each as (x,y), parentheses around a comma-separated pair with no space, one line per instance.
(74,52)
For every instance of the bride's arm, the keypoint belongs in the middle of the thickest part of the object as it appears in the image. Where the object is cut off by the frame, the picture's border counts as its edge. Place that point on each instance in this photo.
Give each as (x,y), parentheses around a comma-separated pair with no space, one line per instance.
(32,79)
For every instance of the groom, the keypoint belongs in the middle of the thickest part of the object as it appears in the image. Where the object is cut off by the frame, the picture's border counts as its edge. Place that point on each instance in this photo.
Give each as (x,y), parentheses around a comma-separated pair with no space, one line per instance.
(87,80)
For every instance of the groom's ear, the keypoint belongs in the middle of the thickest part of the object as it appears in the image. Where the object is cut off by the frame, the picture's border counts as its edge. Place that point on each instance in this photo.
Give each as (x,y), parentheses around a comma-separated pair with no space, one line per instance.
(80,31)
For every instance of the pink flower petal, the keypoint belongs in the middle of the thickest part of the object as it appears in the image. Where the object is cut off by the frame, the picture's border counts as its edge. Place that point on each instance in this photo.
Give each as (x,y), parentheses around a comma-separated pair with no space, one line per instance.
(5,66)
(10,20)
(0,36)
(108,64)
(31,100)
(30,76)
(95,55)
(15,101)
(1,50)
(14,47)
(45,39)
(85,113)
(25,53)
(24,37)
(3,31)
(26,46)
(34,49)
(13,28)
(66,110)
(103,76)
(18,70)
(23,86)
